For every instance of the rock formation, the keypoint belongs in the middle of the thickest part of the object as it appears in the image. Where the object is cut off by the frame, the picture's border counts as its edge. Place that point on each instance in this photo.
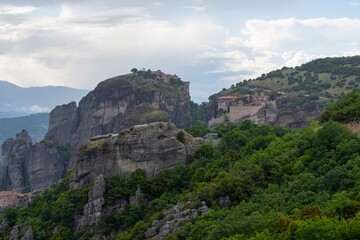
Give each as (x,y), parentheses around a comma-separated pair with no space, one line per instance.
(151,147)
(94,208)
(28,167)
(115,104)
(16,232)
(173,219)
(294,114)
(121,102)
(15,155)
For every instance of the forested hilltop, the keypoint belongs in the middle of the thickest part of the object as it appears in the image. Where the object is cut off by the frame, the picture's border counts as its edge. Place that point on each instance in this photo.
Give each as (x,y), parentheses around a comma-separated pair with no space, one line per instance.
(259,182)
(326,77)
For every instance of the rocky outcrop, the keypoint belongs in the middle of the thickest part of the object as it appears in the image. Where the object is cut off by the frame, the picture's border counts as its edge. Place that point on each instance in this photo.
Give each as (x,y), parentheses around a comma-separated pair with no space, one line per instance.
(121,102)
(17,229)
(46,166)
(63,123)
(28,167)
(15,155)
(115,104)
(94,208)
(151,147)
(14,234)
(296,114)
(174,218)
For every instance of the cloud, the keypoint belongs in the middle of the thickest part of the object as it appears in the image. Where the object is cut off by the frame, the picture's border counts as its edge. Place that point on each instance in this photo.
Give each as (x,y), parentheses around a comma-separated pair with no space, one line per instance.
(80,49)
(38,109)
(82,44)
(316,34)
(354,3)
(265,45)
(157,4)
(15,10)
(198,8)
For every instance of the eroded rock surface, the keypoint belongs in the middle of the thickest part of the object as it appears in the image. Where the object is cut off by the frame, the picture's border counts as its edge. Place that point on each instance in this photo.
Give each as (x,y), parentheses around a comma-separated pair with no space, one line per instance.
(94,208)
(174,218)
(151,147)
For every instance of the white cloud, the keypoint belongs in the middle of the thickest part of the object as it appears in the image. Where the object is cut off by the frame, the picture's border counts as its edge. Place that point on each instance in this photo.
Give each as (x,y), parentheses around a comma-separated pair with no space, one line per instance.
(79,49)
(265,45)
(354,3)
(14,10)
(198,8)
(86,43)
(38,109)
(157,4)
(317,35)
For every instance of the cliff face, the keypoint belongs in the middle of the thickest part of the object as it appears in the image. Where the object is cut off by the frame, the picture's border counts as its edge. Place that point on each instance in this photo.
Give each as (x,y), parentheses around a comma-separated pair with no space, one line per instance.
(294,114)
(125,101)
(114,105)
(15,155)
(28,167)
(151,147)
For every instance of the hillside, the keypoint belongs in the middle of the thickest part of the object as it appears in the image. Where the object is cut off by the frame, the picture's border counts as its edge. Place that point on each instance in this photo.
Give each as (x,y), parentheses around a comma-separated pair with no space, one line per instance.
(327,77)
(16,101)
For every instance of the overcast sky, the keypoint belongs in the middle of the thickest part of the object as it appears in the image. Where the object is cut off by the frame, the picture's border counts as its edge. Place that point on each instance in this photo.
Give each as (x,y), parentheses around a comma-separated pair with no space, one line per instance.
(212,44)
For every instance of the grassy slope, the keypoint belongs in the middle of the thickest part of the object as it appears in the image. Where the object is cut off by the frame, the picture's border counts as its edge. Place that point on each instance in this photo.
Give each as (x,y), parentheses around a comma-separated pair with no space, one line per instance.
(328,77)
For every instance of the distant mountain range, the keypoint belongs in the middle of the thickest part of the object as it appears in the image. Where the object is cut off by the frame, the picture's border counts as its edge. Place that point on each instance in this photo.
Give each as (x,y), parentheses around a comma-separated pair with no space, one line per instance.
(16,101)
(36,124)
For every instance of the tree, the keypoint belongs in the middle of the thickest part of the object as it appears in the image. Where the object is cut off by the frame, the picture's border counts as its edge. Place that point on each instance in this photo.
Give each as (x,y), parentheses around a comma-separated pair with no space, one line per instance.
(63,233)
(134,70)
(10,215)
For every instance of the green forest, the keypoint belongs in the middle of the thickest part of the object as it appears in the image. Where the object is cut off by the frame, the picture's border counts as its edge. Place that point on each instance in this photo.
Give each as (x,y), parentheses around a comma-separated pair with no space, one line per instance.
(281,184)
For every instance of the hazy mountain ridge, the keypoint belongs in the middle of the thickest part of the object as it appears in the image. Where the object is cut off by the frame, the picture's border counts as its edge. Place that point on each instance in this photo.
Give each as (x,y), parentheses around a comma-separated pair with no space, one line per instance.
(15,100)
(36,124)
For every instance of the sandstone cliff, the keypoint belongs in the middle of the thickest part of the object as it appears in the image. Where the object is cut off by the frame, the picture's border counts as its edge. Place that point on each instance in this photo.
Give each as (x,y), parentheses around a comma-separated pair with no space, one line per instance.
(115,104)
(151,147)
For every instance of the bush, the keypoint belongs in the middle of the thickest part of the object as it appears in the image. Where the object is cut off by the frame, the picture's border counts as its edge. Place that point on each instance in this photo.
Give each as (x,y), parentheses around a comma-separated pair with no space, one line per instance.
(180,136)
